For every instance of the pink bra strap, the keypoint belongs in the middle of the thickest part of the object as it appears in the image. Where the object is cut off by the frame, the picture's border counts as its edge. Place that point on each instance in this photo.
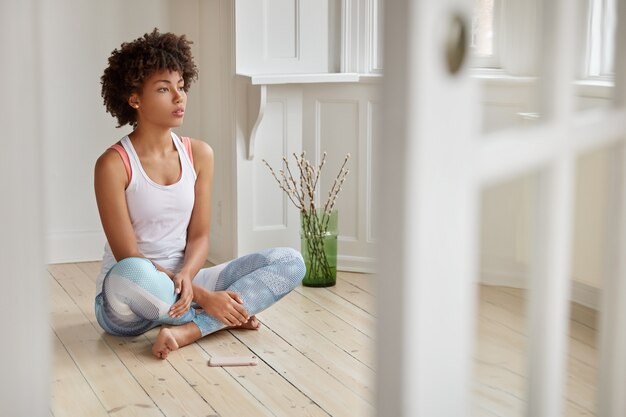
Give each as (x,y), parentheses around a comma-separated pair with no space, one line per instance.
(187,144)
(120,149)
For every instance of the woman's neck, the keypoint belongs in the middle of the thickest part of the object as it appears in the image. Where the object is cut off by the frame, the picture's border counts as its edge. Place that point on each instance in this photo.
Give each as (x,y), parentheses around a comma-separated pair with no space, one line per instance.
(152,139)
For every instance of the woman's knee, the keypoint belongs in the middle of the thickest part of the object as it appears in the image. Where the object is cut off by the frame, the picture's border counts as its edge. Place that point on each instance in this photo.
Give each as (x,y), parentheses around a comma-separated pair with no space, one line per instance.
(133,269)
(142,273)
(291,261)
(135,284)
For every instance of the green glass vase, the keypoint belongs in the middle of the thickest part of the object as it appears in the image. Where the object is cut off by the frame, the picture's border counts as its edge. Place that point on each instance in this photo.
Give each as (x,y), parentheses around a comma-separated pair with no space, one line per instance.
(318,240)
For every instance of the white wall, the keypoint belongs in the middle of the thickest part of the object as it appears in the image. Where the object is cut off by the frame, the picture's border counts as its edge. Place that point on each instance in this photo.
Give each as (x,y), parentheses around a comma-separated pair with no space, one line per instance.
(216,116)
(507,208)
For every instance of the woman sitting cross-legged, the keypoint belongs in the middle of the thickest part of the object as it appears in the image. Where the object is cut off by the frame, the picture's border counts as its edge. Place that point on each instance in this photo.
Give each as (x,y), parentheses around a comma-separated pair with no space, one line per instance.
(153,190)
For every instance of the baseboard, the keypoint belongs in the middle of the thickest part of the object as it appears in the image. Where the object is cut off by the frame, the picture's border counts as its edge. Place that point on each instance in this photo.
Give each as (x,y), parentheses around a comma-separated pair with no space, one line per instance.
(344,263)
(356,264)
(586,295)
(83,246)
(490,278)
(505,273)
(74,246)
(516,276)
(216,260)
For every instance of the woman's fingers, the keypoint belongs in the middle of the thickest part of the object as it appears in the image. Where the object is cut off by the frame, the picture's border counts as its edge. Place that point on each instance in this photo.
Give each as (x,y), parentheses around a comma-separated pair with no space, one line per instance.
(179,310)
(178,282)
(233,320)
(242,312)
(235,296)
(181,306)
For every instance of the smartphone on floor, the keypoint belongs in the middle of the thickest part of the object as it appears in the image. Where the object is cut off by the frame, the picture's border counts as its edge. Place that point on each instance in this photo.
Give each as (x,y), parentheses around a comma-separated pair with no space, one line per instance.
(243,360)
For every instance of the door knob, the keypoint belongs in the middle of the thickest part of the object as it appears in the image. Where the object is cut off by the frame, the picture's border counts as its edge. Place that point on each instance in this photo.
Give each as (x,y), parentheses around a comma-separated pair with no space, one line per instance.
(456,43)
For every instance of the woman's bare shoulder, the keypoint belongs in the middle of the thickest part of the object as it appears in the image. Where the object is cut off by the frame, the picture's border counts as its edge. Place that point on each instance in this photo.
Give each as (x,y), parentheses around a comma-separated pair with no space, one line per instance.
(201,146)
(202,151)
(110,165)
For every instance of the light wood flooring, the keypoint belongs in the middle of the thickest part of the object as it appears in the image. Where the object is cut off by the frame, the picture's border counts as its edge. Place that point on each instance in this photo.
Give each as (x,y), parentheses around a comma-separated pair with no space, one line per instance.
(316,350)
(500,367)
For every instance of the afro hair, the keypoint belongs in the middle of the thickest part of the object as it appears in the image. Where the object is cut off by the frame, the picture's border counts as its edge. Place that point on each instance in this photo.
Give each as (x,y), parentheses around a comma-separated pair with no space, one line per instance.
(131,64)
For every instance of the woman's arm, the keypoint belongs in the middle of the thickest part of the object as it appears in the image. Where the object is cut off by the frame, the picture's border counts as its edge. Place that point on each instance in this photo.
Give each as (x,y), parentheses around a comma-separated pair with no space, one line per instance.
(199,227)
(226,306)
(110,181)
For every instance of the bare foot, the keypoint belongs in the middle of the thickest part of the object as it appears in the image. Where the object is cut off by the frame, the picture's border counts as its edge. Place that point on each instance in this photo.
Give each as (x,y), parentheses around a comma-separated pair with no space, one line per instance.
(252,324)
(164,344)
(171,338)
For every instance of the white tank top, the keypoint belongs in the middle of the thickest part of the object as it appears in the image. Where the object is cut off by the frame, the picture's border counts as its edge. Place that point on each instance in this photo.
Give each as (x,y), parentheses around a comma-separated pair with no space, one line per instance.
(159,214)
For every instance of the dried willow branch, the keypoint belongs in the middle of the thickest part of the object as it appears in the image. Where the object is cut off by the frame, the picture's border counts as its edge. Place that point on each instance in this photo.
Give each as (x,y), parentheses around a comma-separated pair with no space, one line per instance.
(302,195)
(302,192)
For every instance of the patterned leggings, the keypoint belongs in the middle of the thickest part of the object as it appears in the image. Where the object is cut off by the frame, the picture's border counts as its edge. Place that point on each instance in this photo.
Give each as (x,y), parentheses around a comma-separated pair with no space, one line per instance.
(136,297)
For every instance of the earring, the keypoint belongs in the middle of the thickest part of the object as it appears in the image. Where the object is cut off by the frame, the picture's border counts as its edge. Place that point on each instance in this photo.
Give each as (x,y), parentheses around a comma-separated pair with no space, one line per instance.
(136,106)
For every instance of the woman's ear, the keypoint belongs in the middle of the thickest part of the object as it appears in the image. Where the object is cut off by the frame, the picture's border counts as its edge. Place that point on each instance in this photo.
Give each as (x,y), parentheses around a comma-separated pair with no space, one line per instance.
(133,101)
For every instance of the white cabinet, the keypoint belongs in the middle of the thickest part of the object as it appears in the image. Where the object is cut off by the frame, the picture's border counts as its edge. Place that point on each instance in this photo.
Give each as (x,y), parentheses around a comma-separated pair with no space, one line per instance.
(282,36)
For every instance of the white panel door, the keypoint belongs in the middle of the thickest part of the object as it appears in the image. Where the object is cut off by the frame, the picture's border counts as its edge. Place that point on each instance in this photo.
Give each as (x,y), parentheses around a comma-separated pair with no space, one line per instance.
(339,119)
(433,167)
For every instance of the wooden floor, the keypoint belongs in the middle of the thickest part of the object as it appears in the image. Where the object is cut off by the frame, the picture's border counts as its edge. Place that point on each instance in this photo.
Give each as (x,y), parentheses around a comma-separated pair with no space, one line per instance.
(316,350)
(500,383)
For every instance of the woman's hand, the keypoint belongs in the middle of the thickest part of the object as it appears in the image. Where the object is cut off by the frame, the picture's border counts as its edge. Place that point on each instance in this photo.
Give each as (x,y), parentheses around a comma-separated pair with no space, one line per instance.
(226,306)
(182,286)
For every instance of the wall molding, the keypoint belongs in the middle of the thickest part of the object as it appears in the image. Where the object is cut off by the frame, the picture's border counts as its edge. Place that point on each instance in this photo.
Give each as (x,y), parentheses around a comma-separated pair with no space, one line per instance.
(374,52)
(360,46)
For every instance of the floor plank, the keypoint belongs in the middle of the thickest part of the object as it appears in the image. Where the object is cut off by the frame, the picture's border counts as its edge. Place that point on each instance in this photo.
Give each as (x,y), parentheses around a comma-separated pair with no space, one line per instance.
(365,282)
(502,345)
(355,295)
(326,324)
(71,393)
(357,317)
(340,364)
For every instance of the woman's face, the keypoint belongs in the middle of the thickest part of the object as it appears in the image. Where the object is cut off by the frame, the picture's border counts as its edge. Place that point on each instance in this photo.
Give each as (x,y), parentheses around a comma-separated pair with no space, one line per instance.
(162,100)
